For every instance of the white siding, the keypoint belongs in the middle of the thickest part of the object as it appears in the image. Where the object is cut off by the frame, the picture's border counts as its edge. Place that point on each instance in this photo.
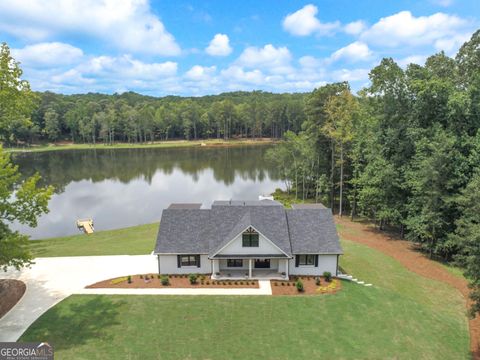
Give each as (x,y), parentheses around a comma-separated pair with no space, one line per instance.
(168,265)
(265,246)
(325,263)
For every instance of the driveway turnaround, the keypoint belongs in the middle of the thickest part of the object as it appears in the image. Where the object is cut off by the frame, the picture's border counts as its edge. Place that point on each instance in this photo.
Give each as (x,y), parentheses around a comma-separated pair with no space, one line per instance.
(50,280)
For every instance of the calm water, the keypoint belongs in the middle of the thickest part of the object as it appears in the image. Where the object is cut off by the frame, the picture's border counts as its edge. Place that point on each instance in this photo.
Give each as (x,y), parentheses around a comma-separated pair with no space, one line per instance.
(119,188)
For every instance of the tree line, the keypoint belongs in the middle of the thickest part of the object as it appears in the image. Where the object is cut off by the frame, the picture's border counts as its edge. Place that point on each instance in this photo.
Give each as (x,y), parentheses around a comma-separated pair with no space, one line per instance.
(404,152)
(134,118)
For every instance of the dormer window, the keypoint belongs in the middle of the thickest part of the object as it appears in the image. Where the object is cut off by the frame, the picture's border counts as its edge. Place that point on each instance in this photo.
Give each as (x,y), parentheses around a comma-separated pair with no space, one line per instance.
(250,238)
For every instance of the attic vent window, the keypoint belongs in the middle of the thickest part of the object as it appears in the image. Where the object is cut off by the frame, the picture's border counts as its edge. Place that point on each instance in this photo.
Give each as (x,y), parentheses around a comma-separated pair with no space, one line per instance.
(250,238)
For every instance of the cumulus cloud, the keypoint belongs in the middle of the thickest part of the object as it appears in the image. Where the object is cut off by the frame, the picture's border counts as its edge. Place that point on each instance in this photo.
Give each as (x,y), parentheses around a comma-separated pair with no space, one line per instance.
(198,72)
(305,22)
(47,54)
(219,46)
(356,51)
(128,25)
(412,59)
(350,75)
(276,60)
(355,28)
(405,29)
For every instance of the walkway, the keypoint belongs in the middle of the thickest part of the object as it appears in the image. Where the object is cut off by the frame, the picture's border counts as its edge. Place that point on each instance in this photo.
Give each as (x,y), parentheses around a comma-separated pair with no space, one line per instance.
(51,280)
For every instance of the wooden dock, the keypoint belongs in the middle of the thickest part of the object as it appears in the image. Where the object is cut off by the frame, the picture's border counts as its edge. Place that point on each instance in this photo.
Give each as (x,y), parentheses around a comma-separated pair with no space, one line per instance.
(85,225)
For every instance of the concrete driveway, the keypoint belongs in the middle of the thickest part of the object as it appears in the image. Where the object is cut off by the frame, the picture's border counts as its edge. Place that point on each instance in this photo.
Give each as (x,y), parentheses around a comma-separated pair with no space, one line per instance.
(50,280)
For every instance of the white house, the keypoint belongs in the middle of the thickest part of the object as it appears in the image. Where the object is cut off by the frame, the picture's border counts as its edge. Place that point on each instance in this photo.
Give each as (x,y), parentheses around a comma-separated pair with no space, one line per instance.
(247,239)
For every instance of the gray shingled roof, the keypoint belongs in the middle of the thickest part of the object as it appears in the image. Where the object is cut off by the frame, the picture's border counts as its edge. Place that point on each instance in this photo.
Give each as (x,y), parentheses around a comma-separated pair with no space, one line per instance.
(313,231)
(206,231)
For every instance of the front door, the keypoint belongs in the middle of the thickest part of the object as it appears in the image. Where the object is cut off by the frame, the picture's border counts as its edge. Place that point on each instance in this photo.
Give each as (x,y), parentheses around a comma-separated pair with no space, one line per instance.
(262,264)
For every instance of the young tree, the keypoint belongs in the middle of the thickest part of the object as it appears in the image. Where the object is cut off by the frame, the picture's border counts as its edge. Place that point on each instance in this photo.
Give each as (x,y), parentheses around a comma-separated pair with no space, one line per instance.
(17,101)
(22,201)
(340,110)
(467,238)
(52,125)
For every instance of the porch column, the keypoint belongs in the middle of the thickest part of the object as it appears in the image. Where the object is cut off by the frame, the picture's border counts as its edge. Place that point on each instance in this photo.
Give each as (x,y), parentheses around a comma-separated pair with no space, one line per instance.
(249,268)
(215,267)
(286,268)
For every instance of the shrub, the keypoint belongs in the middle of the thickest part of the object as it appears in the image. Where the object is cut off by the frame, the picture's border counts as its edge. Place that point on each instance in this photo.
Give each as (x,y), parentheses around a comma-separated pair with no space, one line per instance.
(118,280)
(158,276)
(328,276)
(299,285)
(283,284)
(129,279)
(164,280)
(317,281)
(276,284)
(241,282)
(201,282)
(208,282)
(192,278)
(202,277)
(141,276)
(236,283)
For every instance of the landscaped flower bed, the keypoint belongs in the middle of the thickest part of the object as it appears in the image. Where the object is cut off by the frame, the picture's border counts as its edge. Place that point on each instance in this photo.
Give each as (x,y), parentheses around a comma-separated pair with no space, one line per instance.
(171,281)
(312,285)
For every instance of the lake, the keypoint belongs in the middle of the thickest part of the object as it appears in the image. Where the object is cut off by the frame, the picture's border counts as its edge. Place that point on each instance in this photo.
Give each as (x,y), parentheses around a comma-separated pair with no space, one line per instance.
(126,187)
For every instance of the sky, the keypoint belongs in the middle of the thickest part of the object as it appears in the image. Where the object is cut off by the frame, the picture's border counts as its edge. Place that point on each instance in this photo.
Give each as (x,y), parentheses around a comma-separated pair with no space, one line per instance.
(194,48)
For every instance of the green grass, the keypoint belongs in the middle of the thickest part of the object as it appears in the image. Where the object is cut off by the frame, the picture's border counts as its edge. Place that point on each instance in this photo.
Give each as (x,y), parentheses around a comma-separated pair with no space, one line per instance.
(404,316)
(158,144)
(136,240)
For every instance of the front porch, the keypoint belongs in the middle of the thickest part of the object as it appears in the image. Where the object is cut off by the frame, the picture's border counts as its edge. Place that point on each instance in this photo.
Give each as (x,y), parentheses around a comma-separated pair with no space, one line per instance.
(258,268)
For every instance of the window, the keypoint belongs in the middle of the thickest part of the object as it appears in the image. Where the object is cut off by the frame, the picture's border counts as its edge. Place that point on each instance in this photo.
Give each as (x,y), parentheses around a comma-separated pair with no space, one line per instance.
(250,238)
(188,260)
(234,262)
(306,259)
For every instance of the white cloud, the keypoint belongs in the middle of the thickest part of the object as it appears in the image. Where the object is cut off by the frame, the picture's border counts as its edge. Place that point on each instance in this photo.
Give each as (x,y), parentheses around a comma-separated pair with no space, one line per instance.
(356,51)
(412,59)
(129,24)
(236,73)
(127,67)
(276,60)
(304,22)
(309,62)
(219,46)
(452,44)
(355,28)
(350,75)
(405,29)
(199,73)
(47,54)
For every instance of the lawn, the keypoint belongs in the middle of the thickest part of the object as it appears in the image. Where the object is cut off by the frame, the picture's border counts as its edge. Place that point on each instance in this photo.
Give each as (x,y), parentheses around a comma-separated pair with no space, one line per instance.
(403,316)
(136,240)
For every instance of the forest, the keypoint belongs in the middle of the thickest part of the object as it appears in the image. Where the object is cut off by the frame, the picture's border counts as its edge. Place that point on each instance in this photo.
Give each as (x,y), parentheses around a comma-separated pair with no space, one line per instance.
(403,152)
(134,118)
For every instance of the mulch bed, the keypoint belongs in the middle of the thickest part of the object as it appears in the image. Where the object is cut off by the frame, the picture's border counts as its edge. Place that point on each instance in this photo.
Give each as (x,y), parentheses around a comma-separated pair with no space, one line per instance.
(11,291)
(310,287)
(409,256)
(151,281)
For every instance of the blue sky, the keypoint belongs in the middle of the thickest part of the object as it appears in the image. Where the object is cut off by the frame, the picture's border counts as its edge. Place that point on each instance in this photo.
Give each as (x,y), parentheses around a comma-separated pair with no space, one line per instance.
(207,47)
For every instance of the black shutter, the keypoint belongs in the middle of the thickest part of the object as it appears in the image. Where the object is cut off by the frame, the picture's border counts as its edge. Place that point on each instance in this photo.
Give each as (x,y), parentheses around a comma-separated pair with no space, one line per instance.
(197,259)
(179,261)
(297,260)
(316,260)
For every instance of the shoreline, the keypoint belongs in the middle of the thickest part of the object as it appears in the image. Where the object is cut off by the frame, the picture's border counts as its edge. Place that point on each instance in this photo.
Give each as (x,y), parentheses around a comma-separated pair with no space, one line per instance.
(208,143)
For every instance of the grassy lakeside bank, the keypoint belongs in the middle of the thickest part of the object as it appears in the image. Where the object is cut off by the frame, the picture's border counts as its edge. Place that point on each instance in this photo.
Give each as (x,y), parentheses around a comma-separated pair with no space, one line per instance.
(135,240)
(159,144)
(403,315)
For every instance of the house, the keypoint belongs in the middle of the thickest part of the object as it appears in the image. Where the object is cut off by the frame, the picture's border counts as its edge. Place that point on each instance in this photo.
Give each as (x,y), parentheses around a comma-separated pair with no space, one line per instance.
(247,239)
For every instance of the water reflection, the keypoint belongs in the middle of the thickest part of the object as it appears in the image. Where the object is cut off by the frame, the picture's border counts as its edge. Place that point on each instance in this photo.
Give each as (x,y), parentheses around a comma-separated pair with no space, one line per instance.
(131,186)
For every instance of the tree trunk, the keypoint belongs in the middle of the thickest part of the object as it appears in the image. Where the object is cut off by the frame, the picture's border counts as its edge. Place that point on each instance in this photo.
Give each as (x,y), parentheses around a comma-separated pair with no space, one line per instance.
(341,182)
(332,185)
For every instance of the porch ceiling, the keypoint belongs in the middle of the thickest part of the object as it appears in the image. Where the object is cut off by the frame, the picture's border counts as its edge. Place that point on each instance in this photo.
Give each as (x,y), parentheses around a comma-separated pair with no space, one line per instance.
(250,256)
